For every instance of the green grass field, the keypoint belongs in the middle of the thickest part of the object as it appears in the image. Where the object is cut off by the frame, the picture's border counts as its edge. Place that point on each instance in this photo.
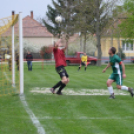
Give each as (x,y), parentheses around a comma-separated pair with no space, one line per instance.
(6,87)
(79,113)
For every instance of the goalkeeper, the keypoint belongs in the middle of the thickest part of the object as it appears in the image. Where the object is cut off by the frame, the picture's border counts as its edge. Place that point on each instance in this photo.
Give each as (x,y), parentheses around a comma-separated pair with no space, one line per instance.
(60,60)
(83,61)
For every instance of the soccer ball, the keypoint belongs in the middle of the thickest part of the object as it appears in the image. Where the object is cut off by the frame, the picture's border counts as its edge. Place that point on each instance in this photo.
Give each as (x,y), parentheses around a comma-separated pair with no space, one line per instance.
(58,19)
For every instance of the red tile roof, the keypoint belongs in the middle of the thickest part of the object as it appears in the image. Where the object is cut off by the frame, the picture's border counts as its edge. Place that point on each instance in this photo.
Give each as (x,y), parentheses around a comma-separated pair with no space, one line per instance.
(31,28)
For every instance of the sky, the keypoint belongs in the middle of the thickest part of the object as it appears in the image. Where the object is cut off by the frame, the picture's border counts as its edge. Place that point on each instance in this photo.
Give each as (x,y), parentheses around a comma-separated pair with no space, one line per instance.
(39,7)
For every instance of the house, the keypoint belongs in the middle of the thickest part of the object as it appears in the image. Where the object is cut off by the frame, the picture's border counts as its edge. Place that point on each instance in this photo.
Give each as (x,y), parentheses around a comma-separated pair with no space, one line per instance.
(127,46)
(35,35)
(111,38)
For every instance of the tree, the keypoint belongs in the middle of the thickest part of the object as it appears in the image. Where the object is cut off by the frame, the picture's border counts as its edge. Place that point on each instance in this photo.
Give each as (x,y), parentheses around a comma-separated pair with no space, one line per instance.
(46,52)
(50,23)
(28,46)
(83,18)
(90,48)
(65,9)
(121,54)
(112,29)
(97,14)
(102,14)
(127,24)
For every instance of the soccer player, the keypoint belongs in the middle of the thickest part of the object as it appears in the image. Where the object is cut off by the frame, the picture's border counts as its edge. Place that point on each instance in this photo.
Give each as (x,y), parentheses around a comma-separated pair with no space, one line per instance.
(60,63)
(83,61)
(118,74)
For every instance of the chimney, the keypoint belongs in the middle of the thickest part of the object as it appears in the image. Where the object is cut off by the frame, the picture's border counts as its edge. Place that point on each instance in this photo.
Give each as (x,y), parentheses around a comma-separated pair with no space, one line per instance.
(13,15)
(12,12)
(32,14)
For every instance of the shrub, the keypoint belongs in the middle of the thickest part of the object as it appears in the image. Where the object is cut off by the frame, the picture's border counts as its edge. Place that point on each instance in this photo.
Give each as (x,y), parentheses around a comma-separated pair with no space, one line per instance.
(121,54)
(46,52)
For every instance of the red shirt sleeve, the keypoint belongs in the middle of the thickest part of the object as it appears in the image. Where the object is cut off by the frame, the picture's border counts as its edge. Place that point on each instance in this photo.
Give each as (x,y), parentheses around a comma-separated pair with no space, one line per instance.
(120,63)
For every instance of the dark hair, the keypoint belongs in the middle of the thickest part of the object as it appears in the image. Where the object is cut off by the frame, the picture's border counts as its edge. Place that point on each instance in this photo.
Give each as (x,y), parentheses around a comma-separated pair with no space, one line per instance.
(113,49)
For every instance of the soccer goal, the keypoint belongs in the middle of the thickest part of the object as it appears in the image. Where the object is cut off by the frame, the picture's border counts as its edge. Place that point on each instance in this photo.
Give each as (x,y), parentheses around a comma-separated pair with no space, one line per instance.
(11,55)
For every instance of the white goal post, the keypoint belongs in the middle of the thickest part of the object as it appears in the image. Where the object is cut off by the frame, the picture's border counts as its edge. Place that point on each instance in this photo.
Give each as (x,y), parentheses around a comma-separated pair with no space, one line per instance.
(21,68)
(21,54)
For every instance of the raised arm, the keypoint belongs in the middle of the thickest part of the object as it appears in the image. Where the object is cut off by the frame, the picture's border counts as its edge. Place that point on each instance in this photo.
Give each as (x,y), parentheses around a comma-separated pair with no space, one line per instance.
(109,65)
(64,49)
(55,45)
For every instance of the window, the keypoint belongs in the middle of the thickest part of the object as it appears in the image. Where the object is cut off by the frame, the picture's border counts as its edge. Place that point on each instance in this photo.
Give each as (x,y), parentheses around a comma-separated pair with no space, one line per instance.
(127,45)
(81,55)
(123,46)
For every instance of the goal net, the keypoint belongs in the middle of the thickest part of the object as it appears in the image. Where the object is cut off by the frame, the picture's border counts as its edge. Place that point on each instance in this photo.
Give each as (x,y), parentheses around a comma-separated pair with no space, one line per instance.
(9,55)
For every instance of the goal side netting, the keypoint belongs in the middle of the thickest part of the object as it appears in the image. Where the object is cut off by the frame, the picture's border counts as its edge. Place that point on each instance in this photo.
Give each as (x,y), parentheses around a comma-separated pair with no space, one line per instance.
(10,55)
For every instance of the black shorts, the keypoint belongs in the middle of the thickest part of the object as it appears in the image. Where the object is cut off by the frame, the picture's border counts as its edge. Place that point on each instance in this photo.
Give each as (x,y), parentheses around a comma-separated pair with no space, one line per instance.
(83,63)
(62,71)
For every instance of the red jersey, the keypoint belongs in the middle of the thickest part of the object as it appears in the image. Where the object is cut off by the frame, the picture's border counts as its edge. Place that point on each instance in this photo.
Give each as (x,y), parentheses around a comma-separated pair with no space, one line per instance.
(59,57)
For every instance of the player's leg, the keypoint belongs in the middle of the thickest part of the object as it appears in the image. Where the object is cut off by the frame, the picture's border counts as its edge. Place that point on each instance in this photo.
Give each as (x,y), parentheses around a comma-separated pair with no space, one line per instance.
(109,86)
(63,74)
(119,82)
(28,65)
(68,80)
(63,85)
(67,77)
(55,86)
(58,70)
(85,66)
(79,67)
(65,81)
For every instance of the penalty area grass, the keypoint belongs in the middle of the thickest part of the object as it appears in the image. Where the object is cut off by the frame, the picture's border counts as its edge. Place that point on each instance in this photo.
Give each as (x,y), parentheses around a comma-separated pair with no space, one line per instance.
(69,114)
(79,114)
(13,117)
